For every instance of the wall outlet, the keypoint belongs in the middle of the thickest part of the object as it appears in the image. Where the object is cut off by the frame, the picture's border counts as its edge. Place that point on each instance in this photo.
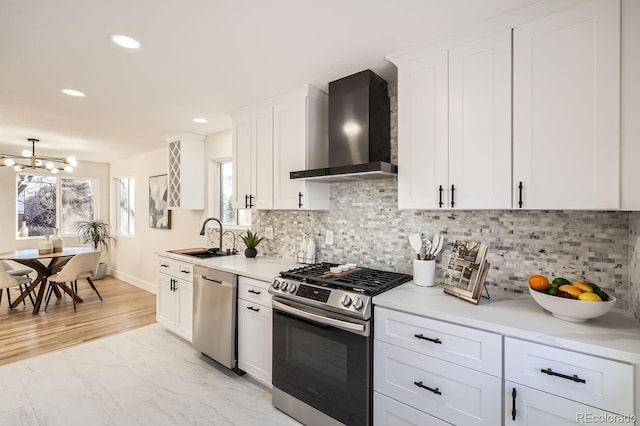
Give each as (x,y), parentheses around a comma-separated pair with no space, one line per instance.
(268,232)
(328,238)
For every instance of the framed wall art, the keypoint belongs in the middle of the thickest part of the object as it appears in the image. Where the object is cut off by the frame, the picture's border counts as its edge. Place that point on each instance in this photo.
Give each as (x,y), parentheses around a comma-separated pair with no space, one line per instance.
(159,213)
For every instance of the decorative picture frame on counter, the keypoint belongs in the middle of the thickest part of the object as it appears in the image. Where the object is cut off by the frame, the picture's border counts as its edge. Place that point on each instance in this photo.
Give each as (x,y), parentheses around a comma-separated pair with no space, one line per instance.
(159,213)
(467,271)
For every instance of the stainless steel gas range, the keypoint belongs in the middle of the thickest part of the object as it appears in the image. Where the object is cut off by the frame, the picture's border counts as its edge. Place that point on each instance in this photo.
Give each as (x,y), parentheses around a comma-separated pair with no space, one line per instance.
(323,341)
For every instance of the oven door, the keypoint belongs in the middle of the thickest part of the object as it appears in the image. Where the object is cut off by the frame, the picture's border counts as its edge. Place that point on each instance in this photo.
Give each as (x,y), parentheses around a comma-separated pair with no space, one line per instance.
(324,360)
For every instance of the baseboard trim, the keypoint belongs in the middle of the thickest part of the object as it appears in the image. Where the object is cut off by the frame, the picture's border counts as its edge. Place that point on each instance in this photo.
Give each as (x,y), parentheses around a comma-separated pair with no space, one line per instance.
(147,286)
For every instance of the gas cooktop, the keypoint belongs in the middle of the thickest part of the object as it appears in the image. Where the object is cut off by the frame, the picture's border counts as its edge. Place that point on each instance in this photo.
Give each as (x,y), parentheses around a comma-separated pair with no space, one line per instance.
(359,280)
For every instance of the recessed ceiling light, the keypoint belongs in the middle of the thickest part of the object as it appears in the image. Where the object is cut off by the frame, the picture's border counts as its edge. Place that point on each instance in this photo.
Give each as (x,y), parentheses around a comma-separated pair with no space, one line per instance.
(124,41)
(72,92)
(200,120)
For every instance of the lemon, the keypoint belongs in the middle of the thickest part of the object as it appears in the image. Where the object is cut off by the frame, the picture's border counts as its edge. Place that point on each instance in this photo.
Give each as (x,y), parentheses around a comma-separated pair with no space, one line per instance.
(589,297)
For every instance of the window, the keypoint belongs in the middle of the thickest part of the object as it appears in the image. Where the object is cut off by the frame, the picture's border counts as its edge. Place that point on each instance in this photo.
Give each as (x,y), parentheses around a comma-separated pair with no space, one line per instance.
(125,213)
(48,202)
(223,195)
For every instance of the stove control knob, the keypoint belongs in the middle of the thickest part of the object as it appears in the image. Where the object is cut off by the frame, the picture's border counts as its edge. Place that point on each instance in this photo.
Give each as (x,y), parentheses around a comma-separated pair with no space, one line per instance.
(345,300)
(358,304)
(292,288)
(284,286)
(276,284)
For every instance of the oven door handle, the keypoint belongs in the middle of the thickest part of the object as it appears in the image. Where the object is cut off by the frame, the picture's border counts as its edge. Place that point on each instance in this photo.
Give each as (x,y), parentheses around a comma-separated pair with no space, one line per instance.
(344,325)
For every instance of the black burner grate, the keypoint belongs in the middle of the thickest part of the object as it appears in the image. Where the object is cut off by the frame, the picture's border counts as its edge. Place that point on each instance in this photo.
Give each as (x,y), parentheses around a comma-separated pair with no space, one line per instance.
(365,280)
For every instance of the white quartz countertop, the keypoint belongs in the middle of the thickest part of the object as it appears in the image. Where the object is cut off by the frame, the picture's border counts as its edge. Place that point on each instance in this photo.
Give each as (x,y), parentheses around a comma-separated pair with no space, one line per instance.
(260,267)
(615,335)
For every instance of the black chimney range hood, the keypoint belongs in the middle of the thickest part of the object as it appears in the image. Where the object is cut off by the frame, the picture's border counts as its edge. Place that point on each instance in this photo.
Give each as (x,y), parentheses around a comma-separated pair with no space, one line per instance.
(359,135)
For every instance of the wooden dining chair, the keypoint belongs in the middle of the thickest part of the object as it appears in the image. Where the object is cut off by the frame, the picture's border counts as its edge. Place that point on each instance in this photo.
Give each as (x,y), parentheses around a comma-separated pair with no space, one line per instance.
(22,272)
(9,281)
(81,266)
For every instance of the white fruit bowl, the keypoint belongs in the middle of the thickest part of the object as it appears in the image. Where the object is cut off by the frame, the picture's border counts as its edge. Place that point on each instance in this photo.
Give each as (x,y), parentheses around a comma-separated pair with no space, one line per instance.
(572,309)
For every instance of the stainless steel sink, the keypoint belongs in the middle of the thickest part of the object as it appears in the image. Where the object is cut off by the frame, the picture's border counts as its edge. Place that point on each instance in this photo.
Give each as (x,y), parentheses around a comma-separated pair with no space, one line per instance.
(204,254)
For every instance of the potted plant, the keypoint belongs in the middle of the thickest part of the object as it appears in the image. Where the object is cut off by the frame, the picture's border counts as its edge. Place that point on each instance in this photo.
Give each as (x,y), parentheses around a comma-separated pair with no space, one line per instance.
(98,233)
(251,240)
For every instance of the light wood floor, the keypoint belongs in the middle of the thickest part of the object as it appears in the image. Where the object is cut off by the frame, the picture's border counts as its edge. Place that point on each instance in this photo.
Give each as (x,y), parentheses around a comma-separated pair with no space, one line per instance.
(23,335)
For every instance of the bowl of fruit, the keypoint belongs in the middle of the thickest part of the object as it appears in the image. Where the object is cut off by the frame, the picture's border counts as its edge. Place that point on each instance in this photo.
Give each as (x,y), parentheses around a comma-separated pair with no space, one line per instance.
(574,301)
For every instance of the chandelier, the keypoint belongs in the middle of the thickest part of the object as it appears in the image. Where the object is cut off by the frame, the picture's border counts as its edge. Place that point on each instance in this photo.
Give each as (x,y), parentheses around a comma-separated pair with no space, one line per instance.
(28,159)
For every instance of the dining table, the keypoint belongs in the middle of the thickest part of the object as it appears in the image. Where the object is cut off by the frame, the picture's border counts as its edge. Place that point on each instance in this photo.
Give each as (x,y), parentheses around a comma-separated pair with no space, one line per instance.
(38,262)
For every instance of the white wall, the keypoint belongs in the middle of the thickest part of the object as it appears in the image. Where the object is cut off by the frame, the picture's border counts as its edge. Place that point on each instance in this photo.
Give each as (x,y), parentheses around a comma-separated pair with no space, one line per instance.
(134,258)
(8,210)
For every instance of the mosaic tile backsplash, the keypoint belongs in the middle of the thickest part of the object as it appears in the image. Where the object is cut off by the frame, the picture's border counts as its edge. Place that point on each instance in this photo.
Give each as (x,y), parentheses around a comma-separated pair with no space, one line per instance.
(634,263)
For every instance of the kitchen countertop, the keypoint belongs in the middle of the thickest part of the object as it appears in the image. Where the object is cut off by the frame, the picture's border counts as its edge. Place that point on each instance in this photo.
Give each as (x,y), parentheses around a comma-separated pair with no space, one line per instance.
(260,267)
(615,335)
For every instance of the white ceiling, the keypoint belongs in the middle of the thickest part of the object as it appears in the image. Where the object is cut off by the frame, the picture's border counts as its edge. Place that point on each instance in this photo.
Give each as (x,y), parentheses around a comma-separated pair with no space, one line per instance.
(199,58)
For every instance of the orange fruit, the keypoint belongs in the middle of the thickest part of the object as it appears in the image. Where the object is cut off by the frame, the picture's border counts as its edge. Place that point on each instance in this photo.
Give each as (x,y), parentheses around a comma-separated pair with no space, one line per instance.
(538,282)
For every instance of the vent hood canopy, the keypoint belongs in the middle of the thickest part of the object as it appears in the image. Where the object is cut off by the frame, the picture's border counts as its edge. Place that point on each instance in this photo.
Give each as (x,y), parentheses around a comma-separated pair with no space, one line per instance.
(359,135)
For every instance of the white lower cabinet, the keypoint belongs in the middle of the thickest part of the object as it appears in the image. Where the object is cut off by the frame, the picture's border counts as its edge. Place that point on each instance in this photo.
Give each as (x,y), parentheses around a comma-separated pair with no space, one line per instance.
(255,329)
(388,411)
(432,372)
(174,300)
(526,406)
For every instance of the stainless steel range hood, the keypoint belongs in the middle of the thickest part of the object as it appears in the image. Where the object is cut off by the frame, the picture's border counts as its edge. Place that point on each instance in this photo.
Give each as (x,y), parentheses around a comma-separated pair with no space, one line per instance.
(359,136)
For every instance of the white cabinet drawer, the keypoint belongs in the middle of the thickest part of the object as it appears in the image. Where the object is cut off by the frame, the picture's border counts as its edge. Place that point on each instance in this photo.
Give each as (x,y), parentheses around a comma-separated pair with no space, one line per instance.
(476,349)
(587,379)
(389,412)
(524,406)
(450,392)
(254,290)
(167,266)
(184,271)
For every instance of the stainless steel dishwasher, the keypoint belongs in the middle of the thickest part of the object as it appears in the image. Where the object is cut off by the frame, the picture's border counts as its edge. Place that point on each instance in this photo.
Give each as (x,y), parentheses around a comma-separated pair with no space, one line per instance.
(214,314)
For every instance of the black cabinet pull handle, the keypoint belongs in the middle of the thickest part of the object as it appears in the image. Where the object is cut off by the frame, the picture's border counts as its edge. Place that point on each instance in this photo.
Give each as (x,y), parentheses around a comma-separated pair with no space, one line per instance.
(299,200)
(246,201)
(254,291)
(251,197)
(251,308)
(513,404)
(421,336)
(162,265)
(440,190)
(453,195)
(171,286)
(184,271)
(520,195)
(573,378)
(420,385)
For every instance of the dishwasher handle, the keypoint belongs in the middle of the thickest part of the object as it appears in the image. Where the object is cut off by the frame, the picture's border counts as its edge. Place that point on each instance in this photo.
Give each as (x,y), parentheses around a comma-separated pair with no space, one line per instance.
(203,279)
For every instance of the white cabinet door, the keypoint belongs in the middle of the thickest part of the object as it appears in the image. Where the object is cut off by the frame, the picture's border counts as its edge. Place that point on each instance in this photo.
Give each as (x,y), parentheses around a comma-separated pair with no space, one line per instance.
(242,162)
(289,153)
(262,158)
(480,123)
(524,406)
(566,113)
(166,308)
(423,132)
(186,171)
(255,340)
(184,324)
(389,412)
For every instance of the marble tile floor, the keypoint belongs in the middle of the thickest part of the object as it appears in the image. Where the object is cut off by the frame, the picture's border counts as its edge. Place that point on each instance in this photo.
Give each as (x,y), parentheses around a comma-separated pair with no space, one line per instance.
(145,376)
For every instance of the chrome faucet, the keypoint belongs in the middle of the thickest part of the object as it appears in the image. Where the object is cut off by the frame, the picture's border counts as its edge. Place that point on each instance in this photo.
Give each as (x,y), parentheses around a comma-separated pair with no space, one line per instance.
(204,225)
(233,251)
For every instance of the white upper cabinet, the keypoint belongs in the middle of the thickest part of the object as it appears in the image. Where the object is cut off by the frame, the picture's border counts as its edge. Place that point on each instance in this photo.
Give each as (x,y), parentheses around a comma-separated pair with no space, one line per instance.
(454,126)
(480,123)
(252,152)
(273,138)
(186,171)
(300,143)
(422,131)
(566,112)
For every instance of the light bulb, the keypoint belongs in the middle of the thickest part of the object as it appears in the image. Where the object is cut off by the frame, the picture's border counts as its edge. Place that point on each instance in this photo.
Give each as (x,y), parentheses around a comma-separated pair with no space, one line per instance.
(351,128)
(9,162)
(124,41)
(68,169)
(72,161)
(49,165)
(38,163)
(17,168)
(26,153)
(54,171)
